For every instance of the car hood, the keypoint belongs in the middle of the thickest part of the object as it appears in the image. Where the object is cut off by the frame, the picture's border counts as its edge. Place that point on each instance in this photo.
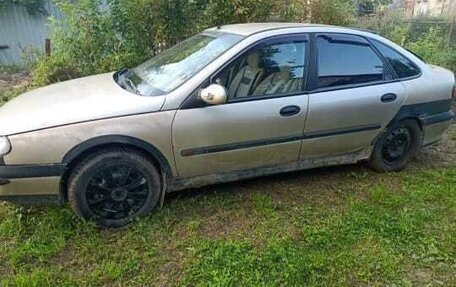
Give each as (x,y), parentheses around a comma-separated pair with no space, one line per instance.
(79,100)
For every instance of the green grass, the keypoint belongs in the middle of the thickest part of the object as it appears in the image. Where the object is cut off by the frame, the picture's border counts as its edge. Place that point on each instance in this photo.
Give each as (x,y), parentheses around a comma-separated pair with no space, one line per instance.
(340,226)
(9,92)
(8,95)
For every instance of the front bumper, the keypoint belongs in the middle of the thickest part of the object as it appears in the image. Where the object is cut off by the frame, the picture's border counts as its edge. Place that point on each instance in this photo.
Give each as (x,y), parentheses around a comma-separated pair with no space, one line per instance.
(30,183)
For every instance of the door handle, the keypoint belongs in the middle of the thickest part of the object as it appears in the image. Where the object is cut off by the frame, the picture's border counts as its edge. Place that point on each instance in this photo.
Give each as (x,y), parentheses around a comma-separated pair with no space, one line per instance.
(289,111)
(388,98)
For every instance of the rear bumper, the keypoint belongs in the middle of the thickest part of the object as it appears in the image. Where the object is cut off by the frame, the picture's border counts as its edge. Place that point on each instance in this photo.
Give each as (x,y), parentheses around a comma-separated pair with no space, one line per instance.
(30,183)
(435,126)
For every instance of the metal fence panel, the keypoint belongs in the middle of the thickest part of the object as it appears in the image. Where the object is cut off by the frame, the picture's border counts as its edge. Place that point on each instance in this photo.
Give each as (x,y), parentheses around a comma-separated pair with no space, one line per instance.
(19,31)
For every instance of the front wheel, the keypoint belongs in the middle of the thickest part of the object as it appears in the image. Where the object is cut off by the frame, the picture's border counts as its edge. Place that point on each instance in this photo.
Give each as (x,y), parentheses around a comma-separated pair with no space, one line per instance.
(394,150)
(112,187)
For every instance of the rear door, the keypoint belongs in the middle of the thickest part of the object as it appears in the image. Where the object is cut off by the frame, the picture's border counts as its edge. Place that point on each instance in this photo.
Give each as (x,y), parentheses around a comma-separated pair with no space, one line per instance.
(261,124)
(354,96)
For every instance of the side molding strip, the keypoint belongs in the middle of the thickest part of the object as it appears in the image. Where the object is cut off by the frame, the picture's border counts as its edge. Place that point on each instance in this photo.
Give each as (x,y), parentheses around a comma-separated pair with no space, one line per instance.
(292,138)
(240,145)
(28,171)
(341,131)
(438,118)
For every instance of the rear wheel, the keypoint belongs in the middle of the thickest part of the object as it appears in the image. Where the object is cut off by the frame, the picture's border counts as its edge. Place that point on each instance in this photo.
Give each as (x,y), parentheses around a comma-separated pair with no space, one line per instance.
(114,186)
(394,150)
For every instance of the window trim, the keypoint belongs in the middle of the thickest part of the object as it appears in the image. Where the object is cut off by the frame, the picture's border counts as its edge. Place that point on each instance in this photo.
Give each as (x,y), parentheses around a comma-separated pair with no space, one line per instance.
(265,97)
(353,86)
(265,41)
(391,67)
(309,83)
(191,102)
(314,85)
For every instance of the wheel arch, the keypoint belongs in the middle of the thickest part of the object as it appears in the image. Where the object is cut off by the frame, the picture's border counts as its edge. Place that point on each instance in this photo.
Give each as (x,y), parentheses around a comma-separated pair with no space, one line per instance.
(407,117)
(421,111)
(80,151)
(405,113)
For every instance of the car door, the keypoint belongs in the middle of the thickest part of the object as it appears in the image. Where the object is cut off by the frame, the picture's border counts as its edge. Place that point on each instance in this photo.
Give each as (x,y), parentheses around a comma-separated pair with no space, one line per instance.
(354,96)
(263,120)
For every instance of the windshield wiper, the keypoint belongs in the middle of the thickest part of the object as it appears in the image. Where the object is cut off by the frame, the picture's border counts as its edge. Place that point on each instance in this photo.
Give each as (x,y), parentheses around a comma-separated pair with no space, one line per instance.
(125,74)
(132,85)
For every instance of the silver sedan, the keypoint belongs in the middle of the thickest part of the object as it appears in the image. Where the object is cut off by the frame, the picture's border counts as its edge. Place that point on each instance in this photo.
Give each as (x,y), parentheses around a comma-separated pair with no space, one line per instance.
(233,102)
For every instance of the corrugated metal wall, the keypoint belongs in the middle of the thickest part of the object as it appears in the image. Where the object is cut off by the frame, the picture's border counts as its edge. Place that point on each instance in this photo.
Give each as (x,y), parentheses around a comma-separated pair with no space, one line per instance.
(19,30)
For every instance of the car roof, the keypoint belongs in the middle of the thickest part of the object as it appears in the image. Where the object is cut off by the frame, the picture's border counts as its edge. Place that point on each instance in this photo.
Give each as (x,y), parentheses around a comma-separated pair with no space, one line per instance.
(248,29)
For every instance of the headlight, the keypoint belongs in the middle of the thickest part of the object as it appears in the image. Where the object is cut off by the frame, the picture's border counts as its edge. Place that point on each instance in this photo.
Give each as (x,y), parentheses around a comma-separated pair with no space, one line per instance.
(5,146)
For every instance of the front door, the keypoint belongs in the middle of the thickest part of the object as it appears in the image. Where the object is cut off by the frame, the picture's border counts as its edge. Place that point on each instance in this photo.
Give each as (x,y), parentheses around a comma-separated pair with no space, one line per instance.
(263,121)
(354,96)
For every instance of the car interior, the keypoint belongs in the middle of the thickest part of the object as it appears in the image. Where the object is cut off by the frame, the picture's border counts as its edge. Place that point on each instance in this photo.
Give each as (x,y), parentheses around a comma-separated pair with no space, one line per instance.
(276,69)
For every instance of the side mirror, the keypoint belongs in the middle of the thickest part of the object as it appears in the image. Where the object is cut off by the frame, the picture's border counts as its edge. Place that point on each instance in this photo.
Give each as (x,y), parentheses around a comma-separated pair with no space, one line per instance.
(214,94)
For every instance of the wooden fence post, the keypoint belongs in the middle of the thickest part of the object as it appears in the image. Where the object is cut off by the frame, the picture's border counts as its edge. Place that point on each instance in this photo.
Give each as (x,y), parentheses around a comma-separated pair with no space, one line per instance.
(452,32)
(47,47)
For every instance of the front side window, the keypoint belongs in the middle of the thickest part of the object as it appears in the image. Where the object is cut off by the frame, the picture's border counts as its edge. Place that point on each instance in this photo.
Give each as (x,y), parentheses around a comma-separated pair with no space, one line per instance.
(346,60)
(403,67)
(274,68)
(170,69)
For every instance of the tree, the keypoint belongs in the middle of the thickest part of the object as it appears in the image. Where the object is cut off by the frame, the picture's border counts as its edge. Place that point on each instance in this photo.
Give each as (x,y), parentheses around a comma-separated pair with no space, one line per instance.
(90,40)
(370,6)
(33,7)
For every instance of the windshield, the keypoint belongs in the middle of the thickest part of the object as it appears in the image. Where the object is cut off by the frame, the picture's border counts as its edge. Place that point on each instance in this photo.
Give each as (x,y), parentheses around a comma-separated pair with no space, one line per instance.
(170,69)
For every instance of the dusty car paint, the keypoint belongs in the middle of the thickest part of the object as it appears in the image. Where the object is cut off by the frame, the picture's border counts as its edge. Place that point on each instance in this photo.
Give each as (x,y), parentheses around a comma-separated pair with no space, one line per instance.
(54,143)
(80,100)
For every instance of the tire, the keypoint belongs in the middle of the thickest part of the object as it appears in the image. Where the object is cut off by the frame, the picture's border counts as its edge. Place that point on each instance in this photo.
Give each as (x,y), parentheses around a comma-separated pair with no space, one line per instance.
(112,187)
(397,146)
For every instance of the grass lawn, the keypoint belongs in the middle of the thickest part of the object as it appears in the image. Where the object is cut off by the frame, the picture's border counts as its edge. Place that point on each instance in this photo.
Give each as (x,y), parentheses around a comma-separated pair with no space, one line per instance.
(340,226)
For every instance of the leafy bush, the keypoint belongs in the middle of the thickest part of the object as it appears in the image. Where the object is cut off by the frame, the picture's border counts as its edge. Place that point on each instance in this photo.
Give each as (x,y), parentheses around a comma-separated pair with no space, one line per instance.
(432,45)
(427,37)
(54,69)
(434,48)
(95,38)
(333,12)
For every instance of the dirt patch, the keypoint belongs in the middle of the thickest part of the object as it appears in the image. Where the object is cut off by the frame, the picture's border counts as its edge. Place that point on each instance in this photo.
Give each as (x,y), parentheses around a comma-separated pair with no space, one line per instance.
(442,154)
(224,225)
(14,81)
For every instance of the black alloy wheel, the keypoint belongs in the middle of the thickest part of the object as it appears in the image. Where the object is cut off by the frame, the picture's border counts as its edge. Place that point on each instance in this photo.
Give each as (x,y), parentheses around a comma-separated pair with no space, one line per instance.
(114,186)
(117,191)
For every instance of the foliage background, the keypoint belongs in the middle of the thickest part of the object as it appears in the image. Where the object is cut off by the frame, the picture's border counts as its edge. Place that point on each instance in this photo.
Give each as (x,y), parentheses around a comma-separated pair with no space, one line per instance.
(98,36)
(431,38)
(33,7)
(94,38)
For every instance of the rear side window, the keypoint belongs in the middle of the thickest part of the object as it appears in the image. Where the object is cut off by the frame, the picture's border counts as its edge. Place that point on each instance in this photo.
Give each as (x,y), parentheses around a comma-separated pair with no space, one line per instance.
(346,60)
(403,67)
